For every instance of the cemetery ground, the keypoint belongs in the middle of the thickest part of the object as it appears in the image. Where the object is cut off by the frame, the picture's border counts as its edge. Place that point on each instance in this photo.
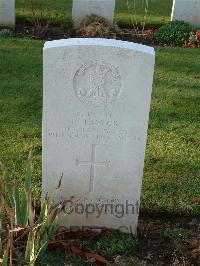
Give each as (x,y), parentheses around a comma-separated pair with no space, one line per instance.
(170,208)
(60,11)
(169,225)
(54,22)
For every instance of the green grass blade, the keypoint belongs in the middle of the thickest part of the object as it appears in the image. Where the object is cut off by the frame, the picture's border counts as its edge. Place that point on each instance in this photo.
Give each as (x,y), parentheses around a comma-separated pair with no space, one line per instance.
(30,246)
(42,213)
(44,244)
(40,251)
(5,258)
(1,246)
(8,189)
(24,209)
(16,199)
(31,212)
(52,229)
(28,177)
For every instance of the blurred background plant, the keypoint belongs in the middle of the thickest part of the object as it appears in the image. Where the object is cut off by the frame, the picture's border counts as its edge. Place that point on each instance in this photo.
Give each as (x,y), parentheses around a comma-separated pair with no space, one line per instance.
(41,15)
(175,33)
(95,26)
(24,234)
(6,33)
(116,243)
(194,39)
(132,10)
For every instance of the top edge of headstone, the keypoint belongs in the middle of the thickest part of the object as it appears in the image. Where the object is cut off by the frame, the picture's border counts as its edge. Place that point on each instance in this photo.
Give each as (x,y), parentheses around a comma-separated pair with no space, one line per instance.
(99,41)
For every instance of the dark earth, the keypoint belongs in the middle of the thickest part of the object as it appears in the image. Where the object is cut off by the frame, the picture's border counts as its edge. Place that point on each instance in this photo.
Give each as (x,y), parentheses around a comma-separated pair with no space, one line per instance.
(162,239)
(53,32)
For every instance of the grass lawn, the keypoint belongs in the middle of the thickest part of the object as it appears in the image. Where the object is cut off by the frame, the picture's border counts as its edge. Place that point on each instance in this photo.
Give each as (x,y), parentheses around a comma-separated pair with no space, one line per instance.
(171,175)
(60,10)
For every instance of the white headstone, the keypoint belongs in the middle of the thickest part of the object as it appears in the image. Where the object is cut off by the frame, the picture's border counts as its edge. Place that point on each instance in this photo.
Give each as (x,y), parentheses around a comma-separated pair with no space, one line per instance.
(187,10)
(97,95)
(7,13)
(83,8)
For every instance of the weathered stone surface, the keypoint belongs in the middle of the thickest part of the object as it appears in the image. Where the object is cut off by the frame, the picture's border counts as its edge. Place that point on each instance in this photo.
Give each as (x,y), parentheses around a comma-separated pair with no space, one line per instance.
(187,10)
(95,116)
(83,8)
(7,13)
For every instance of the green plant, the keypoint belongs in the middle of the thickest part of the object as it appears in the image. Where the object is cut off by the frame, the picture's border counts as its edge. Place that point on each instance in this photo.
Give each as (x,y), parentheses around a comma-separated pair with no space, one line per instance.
(177,236)
(59,258)
(174,33)
(41,16)
(94,26)
(24,235)
(192,37)
(94,18)
(195,38)
(116,244)
(132,10)
(6,33)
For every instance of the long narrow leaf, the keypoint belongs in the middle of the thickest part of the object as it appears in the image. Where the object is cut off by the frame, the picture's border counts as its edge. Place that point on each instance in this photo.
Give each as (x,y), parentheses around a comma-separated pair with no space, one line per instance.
(5,258)
(42,213)
(43,247)
(8,187)
(24,209)
(27,182)
(31,212)
(43,243)
(30,246)
(53,228)
(16,199)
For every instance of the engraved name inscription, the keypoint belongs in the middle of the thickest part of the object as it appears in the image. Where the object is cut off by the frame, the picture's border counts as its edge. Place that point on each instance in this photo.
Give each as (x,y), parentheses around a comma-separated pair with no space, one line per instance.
(97,83)
(94,128)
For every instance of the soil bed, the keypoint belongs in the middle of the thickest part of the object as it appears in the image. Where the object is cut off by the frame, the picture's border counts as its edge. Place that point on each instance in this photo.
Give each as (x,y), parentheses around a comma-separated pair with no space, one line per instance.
(160,241)
(54,32)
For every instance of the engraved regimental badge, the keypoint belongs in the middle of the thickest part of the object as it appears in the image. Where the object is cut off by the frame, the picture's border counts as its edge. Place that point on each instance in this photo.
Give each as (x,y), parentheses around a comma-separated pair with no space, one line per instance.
(97,83)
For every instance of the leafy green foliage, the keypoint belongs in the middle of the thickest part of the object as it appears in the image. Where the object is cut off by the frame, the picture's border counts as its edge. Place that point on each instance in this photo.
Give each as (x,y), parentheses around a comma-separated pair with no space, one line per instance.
(192,38)
(20,200)
(175,33)
(17,214)
(116,244)
(6,33)
(59,258)
(177,236)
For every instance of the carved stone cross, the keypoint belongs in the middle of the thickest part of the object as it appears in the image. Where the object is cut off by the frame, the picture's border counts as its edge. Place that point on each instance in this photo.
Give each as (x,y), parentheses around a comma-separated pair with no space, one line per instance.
(92,164)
